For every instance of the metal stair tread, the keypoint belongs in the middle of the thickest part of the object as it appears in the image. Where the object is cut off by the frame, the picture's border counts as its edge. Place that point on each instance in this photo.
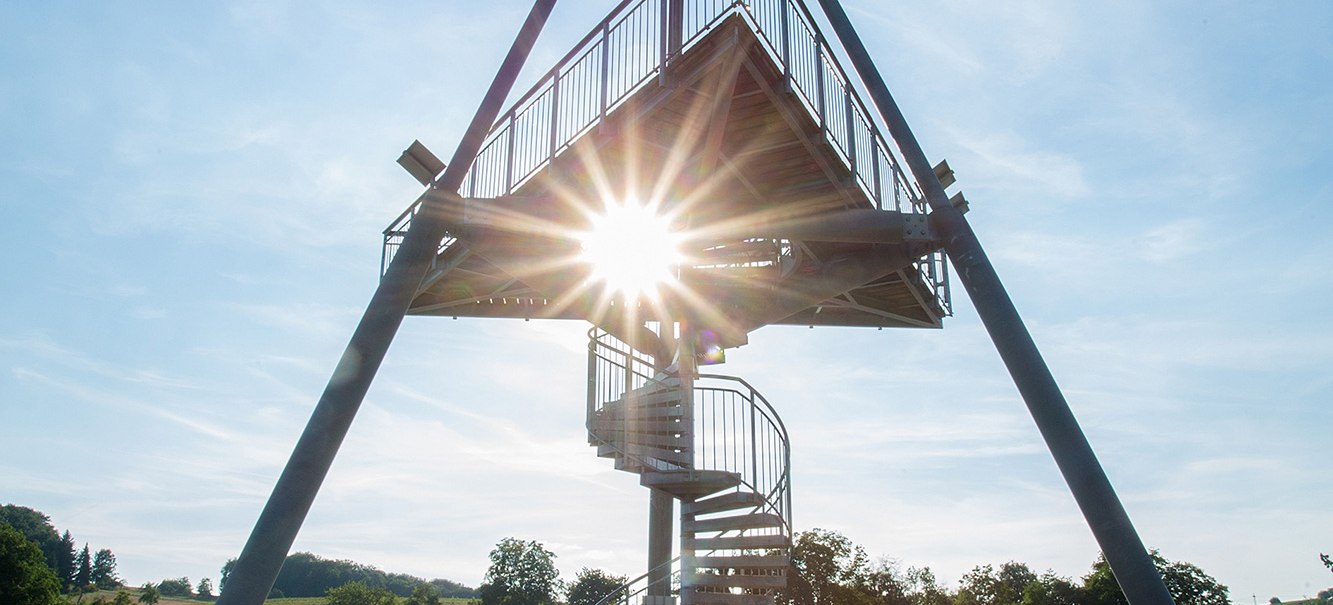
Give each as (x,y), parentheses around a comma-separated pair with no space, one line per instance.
(641,425)
(741,581)
(722,598)
(724,502)
(644,411)
(690,484)
(663,439)
(664,454)
(743,562)
(750,521)
(736,543)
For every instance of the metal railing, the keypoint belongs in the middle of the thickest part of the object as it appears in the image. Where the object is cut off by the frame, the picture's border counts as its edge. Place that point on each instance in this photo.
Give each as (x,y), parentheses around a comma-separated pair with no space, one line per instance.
(631,48)
(734,428)
(626,593)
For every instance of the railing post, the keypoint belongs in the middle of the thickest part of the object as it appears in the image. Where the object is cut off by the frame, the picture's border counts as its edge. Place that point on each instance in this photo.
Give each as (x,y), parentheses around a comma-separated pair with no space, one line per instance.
(851,128)
(874,161)
(819,83)
(555,113)
(897,188)
(606,72)
(754,444)
(785,15)
(472,179)
(592,380)
(509,154)
(663,44)
(675,26)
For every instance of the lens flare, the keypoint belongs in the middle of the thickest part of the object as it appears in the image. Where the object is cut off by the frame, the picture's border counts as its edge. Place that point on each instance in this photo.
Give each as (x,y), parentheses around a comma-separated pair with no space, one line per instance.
(631,249)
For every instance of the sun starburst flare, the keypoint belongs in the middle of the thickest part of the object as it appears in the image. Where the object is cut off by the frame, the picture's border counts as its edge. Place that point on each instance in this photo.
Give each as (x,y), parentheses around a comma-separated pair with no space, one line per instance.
(632,249)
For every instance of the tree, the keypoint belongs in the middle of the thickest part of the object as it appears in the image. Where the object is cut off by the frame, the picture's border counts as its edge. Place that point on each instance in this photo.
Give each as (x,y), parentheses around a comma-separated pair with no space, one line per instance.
(103,572)
(177,587)
(591,585)
(1051,589)
(225,572)
(24,574)
(1328,562)
(1275,601)
(357,593)
(423,594)
(84,562)
(35,526)
(923,589)
(65,561)
(205,588)
(521,573)
(985,585)
(1187,584)
(826,564)
(150,594)
(122,598)
(881,584)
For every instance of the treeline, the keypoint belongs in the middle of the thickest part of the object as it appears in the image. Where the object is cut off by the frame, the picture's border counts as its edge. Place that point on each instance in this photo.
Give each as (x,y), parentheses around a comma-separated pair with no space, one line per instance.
(307,575)
(75,569)
(831,570)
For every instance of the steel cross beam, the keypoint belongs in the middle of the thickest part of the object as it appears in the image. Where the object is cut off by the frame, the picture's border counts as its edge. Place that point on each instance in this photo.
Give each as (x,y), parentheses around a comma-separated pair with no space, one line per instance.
(256,569)
(1110,524)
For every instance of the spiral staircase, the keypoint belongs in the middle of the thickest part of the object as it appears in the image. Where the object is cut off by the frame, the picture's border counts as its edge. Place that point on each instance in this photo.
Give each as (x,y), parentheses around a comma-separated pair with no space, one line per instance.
(712,442)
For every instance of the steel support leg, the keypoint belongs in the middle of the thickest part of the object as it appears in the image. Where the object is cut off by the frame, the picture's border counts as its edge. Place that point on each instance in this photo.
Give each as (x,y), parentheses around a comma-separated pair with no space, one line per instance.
(1092,490)
(258,565)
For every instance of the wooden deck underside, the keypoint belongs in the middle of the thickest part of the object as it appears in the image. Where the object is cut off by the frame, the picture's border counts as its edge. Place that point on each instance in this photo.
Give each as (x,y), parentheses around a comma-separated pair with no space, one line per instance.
(729,143)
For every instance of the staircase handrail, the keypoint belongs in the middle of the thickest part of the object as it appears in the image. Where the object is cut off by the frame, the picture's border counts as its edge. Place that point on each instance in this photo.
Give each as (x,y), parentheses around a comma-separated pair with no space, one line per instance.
(624,592)
(777,493)
(639,380)
(770,477)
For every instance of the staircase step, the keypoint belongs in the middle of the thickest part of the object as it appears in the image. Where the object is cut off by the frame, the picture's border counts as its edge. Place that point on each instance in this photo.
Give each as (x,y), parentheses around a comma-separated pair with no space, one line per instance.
(741,581)
(646,412)
(668,455)
(752,521)
(641,425)
(736,543)
(725,502)
(690,484)
(722,598)
(657,395)
(653,439)
(745,562)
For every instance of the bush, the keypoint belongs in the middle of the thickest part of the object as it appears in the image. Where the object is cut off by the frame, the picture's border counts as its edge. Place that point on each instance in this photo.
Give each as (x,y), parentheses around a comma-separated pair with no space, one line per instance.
(357,593)
(179,587)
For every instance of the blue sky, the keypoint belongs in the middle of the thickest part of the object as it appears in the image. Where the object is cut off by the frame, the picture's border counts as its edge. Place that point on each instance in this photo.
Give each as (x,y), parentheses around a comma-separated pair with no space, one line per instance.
(193,194)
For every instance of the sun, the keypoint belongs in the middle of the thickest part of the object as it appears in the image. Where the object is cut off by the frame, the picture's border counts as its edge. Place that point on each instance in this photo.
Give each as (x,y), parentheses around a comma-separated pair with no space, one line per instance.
(631,249)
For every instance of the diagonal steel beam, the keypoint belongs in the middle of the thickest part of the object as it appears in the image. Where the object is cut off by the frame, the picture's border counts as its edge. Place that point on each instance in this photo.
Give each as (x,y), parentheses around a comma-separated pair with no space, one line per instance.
(1110,524)
(251,579)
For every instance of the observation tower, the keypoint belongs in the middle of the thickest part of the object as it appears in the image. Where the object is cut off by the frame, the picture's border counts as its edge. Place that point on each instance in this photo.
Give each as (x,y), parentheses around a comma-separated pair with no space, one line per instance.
(691,171)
